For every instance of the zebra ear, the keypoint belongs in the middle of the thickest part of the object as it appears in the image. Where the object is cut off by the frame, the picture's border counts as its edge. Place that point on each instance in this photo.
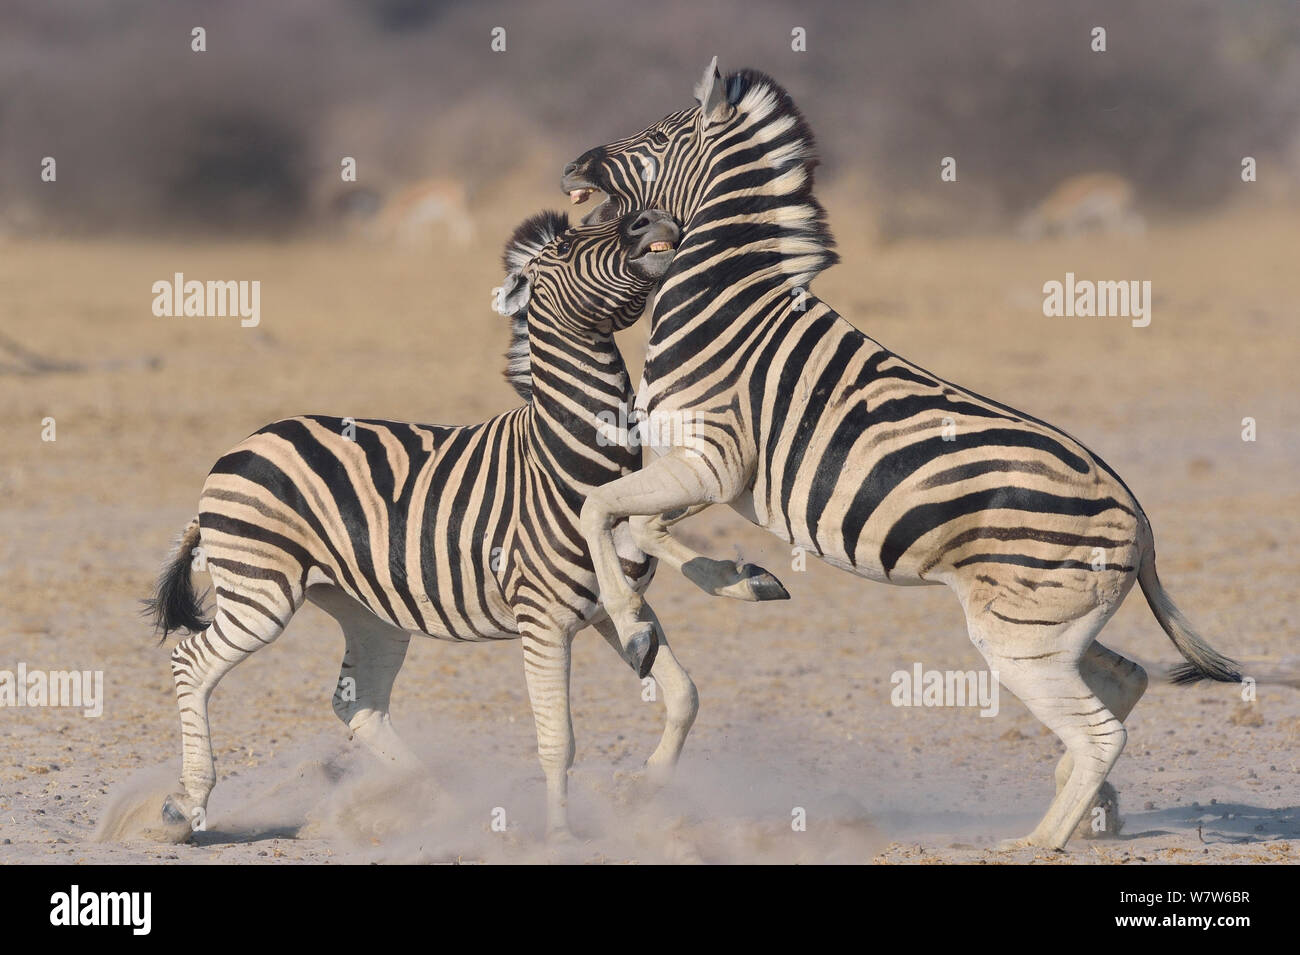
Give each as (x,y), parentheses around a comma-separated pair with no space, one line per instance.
(712,95)
(512,297)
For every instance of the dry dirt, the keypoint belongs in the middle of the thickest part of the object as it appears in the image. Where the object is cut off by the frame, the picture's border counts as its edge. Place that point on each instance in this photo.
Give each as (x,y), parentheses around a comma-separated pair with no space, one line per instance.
(795,696)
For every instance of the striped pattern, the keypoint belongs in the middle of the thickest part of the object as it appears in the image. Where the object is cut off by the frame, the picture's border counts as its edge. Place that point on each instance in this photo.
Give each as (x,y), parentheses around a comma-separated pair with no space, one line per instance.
(461,533)
(835,444)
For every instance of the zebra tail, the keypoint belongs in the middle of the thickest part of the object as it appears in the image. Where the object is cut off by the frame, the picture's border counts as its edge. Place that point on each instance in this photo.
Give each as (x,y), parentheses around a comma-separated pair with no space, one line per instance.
(1203,661)
(174,605)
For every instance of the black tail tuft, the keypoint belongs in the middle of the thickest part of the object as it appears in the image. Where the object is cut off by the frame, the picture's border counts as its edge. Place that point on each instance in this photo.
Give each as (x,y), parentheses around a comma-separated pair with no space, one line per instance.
(174,605)
(1185,674)
(1203,661)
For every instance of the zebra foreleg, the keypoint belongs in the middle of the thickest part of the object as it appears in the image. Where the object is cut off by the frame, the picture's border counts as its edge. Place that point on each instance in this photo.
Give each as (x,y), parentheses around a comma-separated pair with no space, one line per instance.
(374,654)
(681,703)
(721,578)
(682,478)
(546,669)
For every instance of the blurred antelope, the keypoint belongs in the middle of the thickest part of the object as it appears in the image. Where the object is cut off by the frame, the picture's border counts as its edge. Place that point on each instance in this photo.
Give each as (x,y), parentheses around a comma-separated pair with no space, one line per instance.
(1092,202)
(416,211)
(410,215)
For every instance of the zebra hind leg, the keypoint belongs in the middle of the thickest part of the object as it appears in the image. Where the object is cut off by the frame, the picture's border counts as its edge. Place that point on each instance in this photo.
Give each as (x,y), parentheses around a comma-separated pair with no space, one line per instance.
(375,651)
(239,628)
(1119,683)
(1040,664)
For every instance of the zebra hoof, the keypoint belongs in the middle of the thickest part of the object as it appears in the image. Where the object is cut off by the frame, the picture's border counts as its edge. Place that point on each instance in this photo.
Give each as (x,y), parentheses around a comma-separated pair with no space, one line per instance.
(175,827)
(642,648)
(762,584)
(1011,845)
(172,812)
(1103,824)
(653,777)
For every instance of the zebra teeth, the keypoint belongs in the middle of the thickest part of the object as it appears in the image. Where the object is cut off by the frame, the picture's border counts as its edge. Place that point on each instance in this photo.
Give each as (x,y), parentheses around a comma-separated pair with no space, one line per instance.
(579,196)
(660,246)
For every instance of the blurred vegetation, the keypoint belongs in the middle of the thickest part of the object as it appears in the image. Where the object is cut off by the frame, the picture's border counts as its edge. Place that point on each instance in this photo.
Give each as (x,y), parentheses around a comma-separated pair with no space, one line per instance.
(244,137)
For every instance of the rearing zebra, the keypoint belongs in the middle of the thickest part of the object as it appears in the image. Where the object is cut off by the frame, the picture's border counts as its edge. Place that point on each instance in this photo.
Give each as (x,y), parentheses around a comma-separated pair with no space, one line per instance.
(461,533)
(816,432)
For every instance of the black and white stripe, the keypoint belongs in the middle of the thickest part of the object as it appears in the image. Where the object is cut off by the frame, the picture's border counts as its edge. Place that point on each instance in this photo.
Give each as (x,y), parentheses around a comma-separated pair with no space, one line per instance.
(818,433)
(461,533)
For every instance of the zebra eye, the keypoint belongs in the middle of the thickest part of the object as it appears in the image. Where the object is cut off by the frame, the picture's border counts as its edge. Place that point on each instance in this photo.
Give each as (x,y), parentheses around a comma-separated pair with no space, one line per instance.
(563,247)
(658,139)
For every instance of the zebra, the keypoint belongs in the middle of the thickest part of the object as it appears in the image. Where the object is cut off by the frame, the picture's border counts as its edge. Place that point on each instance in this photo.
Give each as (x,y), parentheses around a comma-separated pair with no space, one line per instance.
(459,533)
(821,435)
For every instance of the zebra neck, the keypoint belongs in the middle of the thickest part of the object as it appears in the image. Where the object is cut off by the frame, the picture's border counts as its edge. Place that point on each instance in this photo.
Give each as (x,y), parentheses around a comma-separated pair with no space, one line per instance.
(746,286)
(752,223)
(581,395)
(723,270)
(725,339)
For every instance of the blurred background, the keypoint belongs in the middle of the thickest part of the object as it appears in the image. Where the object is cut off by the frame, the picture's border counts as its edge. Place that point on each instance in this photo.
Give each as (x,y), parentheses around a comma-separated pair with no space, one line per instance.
(376,302)
(247,137)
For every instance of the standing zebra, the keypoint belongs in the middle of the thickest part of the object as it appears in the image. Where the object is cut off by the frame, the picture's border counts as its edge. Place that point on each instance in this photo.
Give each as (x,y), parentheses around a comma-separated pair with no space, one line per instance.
(816,432)
(460,533)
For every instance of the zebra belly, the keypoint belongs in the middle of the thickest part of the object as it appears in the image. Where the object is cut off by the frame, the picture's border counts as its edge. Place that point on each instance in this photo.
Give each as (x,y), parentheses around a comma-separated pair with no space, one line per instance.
(803,545)
(913,516)
(439,618)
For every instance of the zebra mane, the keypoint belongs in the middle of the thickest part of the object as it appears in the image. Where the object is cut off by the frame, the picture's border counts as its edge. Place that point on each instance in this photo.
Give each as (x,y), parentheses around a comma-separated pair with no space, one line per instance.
(532,235)
(809,242)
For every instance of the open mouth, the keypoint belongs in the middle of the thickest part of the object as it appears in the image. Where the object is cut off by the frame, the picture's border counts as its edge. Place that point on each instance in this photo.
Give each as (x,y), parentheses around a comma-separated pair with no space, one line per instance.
(579,187)
(580,190)
(656,248)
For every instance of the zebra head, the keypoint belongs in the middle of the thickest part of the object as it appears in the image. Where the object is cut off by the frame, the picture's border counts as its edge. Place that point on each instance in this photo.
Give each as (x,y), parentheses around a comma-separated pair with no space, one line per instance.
(744,133)
(592,278)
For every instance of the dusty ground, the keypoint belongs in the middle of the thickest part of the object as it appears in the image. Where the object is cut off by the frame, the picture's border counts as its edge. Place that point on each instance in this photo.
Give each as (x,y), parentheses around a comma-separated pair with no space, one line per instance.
(795,696)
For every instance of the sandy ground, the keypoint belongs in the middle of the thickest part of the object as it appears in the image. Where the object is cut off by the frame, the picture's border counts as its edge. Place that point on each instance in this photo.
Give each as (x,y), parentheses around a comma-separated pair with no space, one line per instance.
(795,696)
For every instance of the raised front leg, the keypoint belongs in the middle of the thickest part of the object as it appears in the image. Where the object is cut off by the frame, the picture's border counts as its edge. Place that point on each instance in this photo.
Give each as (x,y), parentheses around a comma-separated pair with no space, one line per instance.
(721,578)
(682,478)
